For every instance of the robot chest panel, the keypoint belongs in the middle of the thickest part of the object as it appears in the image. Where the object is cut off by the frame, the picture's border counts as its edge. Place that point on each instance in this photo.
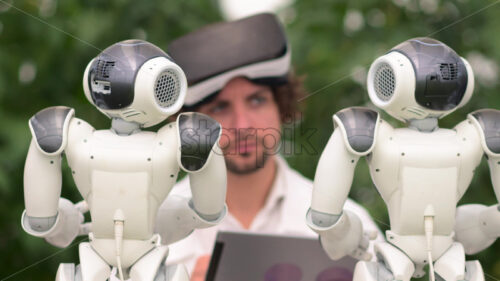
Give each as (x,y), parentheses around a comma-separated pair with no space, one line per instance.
(414,171)
(106,152)
(405,150)
(132,174)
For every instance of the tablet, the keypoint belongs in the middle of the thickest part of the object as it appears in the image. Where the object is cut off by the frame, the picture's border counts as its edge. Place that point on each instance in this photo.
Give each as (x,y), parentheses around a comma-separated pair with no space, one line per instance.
(243,256)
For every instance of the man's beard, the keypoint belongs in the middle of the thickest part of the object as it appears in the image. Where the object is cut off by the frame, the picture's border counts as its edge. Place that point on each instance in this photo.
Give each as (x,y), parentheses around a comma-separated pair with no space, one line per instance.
(245,169)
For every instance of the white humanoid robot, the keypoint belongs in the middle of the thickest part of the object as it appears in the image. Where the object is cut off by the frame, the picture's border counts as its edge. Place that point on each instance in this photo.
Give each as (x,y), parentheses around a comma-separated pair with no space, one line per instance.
(420,171)
(124,173)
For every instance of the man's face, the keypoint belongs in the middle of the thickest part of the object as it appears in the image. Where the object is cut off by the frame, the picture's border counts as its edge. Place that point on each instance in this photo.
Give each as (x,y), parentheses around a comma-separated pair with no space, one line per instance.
(251,124)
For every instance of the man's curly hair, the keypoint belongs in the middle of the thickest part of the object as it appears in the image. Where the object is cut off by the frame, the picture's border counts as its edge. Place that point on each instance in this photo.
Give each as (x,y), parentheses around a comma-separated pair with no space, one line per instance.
(288,97)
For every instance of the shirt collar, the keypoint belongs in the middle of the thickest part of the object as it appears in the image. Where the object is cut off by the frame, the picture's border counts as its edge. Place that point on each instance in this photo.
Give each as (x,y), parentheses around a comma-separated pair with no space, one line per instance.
(276,196)
(279,187)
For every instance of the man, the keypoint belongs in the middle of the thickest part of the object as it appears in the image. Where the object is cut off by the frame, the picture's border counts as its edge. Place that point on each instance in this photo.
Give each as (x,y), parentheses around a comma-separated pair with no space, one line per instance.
(239,74)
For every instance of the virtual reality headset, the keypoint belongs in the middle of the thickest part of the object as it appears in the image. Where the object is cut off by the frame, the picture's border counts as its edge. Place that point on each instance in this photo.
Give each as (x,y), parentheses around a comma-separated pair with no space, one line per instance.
(254,47)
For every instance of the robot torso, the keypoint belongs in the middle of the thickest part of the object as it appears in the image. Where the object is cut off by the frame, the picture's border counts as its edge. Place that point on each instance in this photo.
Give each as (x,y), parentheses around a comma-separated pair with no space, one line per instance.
(133,174)
(420,173)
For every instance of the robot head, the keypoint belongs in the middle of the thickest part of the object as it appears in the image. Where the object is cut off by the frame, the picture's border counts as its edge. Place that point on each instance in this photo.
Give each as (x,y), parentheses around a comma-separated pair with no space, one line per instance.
(420,78)
(136,81)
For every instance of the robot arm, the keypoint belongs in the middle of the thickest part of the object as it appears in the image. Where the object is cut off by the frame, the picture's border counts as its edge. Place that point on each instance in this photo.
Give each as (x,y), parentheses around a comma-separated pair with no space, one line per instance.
(201,157)
(177,219)
(47,215)
(487,123)
(494,164)
(478,226)
(341,232)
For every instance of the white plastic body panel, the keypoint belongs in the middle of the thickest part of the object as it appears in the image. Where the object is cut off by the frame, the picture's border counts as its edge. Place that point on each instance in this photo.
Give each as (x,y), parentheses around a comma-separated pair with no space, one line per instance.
(207,199)
(401,267)
(402,105)
(94,268)
(494,164)
(42,179)
(393,264)
(147,267)
(477,226)
(413,170)
(133,173)
(451,265)
(334,176)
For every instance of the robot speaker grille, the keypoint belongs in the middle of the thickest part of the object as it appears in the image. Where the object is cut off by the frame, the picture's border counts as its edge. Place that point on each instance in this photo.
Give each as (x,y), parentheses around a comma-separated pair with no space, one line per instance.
(448,71)
(103,68)
(384,82)
(167,88)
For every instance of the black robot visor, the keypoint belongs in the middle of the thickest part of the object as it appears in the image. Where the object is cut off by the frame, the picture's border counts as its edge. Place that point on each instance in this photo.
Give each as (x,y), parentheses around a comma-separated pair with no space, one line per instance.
(253,47)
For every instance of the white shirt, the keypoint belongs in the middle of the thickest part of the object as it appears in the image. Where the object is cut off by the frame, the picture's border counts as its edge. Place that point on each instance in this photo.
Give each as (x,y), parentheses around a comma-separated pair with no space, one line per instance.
(284,212)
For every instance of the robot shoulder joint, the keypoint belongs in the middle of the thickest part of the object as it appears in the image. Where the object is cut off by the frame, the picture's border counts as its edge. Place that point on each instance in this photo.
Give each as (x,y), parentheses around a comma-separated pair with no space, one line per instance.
(359,127)
(198,134)
(49,128)
(487,122)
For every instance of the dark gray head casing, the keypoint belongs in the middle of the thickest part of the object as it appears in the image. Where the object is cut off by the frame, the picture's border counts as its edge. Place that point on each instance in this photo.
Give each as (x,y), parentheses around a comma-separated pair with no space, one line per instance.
(420,78)
(136,81)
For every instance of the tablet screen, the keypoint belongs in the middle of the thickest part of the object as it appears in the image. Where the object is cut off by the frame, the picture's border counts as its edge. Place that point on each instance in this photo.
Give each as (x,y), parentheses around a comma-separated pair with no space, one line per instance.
(246,256)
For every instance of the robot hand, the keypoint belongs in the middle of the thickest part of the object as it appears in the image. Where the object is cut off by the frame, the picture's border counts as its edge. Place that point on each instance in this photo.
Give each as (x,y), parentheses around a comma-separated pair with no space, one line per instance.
(477,226)
(177,218)
(67,226)
(341,235)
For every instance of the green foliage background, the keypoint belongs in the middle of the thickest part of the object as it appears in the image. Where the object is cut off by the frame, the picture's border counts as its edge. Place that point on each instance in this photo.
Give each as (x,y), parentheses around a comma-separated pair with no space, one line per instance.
(65,35)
